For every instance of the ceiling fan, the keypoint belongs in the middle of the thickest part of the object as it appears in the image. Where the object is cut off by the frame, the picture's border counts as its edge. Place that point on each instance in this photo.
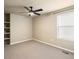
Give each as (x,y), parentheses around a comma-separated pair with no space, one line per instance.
(31,11)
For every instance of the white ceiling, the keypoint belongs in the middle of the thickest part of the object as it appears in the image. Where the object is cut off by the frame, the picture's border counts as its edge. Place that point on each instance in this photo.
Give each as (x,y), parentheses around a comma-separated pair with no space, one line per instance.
(46,5)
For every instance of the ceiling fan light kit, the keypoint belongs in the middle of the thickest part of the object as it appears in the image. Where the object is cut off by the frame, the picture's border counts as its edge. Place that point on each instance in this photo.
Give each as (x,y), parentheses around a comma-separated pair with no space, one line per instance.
(31,14)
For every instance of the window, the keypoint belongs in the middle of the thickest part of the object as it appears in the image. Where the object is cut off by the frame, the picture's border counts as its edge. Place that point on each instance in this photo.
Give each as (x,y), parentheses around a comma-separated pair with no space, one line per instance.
(65,25)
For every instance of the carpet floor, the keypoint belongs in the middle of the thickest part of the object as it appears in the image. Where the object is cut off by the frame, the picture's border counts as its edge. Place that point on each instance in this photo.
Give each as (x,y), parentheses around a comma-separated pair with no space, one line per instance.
(34,50)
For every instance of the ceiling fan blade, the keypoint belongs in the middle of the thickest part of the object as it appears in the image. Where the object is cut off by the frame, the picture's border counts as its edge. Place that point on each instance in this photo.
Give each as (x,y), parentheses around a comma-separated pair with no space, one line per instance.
(27,8)
(37,13)
(38,10)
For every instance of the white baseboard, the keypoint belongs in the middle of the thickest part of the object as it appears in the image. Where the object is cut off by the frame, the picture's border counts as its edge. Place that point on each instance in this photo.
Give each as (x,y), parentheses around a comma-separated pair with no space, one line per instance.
(55,46)
(19,41)
(44,43)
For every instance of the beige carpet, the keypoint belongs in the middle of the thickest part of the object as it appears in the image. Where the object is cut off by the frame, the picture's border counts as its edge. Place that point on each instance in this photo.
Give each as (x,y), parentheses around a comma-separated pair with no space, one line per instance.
(34,50)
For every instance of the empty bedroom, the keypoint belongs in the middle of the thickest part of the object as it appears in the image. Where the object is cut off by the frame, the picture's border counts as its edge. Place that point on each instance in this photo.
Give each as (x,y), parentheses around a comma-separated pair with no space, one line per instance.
(38,29)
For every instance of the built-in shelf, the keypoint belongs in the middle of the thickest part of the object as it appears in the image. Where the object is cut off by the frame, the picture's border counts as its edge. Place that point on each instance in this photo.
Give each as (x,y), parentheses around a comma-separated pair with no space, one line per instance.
(7,27)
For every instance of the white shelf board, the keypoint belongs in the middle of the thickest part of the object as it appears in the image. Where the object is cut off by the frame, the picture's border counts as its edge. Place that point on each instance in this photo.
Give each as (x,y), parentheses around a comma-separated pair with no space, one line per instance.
(6,38)
(7,27)
(6,22)
(6,33)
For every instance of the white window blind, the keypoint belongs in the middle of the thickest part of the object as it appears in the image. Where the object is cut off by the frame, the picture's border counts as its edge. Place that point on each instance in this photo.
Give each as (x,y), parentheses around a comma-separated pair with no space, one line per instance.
(65,25)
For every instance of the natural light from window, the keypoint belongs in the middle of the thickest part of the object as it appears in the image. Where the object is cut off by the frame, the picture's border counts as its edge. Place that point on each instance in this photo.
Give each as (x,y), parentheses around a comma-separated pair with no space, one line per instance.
(65,25)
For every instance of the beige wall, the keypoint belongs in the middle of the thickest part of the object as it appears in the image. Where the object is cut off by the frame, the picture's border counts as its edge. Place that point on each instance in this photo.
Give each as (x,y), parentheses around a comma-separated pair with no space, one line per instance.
(21,28)
(44,28)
